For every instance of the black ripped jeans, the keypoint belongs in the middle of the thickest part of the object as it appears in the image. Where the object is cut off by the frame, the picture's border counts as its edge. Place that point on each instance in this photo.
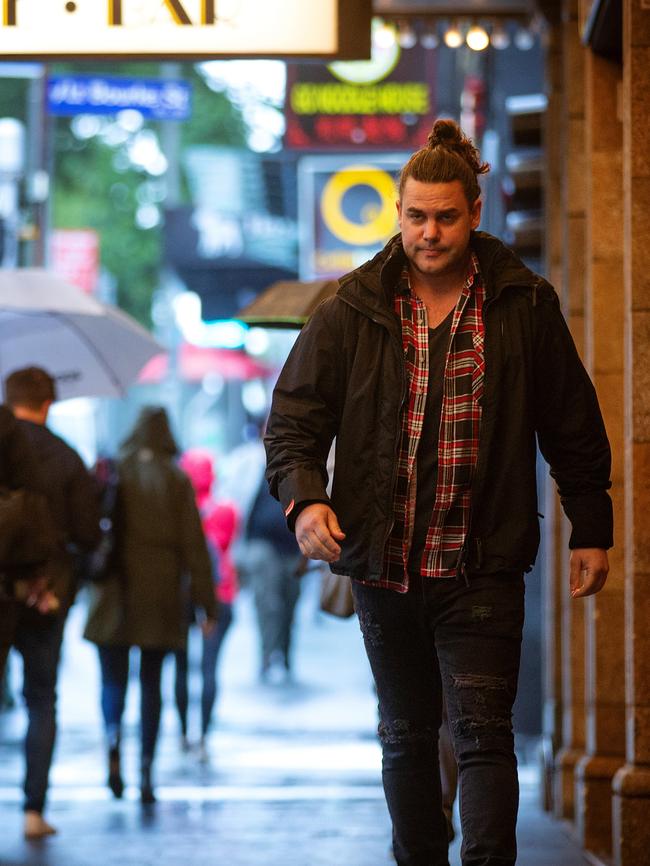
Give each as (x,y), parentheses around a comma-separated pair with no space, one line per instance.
(464,640)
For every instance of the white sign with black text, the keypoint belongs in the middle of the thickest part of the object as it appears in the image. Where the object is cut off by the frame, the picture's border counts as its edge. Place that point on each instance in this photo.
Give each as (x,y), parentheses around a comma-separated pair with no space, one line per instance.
(177,28)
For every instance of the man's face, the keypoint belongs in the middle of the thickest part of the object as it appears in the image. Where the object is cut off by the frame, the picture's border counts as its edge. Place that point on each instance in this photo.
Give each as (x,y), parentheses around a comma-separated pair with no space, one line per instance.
(436,220)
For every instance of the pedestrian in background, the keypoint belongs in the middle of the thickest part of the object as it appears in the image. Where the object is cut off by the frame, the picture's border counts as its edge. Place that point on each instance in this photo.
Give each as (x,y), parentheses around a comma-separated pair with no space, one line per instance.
(220,521)
(438,366)
(19,470)
(272,561)
(160,544)
(69,490)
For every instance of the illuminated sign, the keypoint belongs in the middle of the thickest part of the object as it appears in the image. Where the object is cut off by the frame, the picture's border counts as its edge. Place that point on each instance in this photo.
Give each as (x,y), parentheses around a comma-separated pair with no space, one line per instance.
(143,29)
(97,94)
(347,208)
(387,101)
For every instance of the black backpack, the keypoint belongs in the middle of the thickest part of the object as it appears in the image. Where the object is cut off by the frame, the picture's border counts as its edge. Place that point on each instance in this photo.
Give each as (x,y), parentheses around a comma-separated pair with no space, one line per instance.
(28,534)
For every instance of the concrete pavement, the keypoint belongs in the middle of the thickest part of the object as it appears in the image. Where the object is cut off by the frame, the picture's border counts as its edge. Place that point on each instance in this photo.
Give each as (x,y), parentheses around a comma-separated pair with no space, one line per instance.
(293,777)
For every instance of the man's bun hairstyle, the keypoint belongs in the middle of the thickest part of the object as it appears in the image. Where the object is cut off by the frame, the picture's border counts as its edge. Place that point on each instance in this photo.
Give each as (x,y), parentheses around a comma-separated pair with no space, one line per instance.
(447,156)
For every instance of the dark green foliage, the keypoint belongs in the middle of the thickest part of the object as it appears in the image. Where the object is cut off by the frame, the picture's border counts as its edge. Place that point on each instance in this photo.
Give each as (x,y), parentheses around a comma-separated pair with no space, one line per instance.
(96,186)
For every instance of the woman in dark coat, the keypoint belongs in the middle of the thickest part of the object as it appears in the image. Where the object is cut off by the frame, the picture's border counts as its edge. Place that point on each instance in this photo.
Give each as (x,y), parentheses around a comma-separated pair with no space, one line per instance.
(161,558)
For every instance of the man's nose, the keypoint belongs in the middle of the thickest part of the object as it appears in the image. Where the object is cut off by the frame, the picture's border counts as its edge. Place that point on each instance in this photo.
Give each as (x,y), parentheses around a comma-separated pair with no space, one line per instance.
(431,230)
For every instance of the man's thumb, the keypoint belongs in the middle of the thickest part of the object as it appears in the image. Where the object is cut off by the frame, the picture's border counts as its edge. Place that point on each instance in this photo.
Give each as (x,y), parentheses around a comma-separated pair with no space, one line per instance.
(574,575)
(334,528)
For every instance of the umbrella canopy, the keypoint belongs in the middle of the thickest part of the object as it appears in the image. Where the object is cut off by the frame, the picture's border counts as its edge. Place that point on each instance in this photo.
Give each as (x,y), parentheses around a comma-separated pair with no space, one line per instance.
(91,349)
(195,362)
(287,303)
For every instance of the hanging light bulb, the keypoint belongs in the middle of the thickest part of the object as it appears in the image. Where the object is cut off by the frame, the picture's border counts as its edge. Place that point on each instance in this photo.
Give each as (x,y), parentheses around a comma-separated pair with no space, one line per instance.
(429,37)
(500,38)
(477,38)
(384,35)
(453,38)
(524,39)
(406,36)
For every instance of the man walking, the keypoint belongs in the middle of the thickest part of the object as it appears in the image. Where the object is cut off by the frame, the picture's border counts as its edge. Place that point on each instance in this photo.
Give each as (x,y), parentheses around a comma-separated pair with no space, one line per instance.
(437,366)
(70,493)
(19,472)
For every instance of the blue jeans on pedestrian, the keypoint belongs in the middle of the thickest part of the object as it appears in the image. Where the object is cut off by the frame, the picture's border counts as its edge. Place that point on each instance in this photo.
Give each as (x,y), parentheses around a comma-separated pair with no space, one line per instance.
(463,639)
(210,656)
(38,638)
(114,662)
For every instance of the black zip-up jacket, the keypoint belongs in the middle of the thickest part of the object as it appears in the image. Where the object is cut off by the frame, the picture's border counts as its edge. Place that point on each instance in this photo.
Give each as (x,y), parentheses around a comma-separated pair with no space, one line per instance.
(345,378)
(72,498)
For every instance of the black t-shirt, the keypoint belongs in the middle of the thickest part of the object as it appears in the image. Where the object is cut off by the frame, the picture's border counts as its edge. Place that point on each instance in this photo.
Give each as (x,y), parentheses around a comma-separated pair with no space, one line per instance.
(427,455)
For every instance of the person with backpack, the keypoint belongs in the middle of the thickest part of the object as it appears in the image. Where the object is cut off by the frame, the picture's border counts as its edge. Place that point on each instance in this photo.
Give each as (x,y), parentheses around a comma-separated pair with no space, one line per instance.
(220,521)
(38,635)
(274,563)
(160,544)
(22,571)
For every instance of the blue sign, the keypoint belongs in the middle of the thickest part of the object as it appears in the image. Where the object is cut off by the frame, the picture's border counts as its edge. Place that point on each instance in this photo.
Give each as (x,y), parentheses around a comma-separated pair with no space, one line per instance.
(94,94)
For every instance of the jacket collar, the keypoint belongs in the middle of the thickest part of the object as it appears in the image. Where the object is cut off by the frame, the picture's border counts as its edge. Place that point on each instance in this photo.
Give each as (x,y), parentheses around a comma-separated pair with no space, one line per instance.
(500,267)
(370,287)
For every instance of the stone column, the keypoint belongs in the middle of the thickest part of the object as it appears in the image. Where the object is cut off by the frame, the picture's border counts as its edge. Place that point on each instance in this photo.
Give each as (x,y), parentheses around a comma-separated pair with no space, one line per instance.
(604,319)
(631,805)
(553,578)
(574,230)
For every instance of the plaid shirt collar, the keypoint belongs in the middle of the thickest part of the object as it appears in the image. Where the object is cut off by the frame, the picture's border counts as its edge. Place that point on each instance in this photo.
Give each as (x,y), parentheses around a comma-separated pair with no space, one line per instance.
(459,432)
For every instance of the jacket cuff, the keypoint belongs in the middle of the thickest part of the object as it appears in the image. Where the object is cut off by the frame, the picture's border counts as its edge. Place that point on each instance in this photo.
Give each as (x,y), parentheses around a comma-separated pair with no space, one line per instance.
(592,520)
(299,488)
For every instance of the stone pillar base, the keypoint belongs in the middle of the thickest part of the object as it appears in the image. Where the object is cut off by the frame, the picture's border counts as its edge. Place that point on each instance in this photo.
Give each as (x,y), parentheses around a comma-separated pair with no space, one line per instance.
(564,793)
(547,770)
(631,816)
(593,801)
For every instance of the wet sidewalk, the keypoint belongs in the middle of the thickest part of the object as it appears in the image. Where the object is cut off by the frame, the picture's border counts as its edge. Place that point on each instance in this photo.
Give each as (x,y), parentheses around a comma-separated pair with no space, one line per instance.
(293,777)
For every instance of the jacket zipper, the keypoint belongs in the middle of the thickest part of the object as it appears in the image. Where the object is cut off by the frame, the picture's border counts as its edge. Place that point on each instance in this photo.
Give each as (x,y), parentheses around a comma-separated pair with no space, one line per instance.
(461,568)
(400,405)
(382,324)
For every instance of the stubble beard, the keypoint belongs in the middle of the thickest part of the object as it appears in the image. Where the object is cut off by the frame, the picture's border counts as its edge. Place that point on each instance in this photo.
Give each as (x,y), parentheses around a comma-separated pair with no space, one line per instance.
(442,267)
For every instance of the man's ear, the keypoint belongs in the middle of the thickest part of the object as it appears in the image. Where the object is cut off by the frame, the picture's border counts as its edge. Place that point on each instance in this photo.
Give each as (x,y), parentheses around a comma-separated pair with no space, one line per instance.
(475,213)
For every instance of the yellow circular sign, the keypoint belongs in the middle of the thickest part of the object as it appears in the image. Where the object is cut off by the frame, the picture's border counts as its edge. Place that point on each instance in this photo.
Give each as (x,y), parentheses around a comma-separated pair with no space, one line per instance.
(378,221)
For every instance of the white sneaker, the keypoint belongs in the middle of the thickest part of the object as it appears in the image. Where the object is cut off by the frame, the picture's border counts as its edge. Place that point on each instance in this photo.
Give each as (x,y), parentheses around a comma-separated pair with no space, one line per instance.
(36,827)
(204,755)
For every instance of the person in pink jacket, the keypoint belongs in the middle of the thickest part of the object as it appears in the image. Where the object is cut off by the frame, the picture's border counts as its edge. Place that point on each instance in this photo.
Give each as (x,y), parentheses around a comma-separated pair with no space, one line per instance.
(220,524)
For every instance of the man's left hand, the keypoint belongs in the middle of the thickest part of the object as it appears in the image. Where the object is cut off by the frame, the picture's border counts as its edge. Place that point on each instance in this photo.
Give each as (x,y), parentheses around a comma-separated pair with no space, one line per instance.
(589,567)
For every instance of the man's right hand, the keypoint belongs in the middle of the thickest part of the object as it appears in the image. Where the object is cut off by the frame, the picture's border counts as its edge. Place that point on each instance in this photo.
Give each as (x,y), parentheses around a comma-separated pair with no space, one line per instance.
(318,531)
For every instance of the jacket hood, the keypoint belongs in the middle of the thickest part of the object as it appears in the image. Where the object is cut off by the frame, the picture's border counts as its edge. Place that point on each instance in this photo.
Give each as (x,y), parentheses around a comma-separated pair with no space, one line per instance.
(372,284)
(151,430)
(501,267)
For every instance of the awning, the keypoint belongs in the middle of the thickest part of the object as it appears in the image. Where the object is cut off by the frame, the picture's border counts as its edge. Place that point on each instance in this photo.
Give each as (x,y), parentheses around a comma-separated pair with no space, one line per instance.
(287,303)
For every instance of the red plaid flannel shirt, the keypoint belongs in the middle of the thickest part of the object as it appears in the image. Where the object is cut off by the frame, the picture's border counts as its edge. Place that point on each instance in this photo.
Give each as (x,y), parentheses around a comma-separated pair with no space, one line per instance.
(459,433)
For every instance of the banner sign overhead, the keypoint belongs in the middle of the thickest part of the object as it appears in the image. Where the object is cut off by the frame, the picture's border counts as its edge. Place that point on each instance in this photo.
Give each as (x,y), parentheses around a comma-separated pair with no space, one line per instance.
(146,29)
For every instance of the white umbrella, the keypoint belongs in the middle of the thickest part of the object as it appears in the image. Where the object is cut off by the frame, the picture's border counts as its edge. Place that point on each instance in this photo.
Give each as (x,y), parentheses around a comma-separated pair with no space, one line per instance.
(91,349)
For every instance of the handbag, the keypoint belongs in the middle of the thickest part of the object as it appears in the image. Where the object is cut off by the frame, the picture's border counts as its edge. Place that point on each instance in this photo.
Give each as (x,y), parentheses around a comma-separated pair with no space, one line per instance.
(100,564)
(336,595)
